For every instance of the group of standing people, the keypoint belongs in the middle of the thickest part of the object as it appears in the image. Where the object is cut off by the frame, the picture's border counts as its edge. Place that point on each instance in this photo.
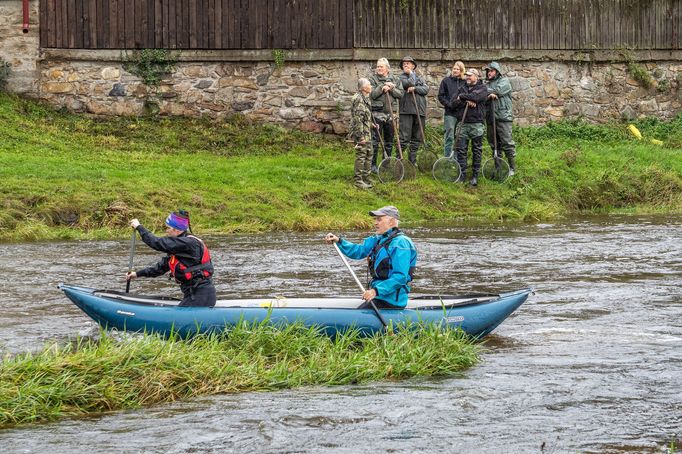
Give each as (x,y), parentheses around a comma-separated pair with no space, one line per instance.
(384,103)
(471,109)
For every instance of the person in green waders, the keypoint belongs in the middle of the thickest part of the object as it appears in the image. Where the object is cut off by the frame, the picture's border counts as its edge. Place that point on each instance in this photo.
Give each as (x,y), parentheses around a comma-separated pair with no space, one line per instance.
(188,260)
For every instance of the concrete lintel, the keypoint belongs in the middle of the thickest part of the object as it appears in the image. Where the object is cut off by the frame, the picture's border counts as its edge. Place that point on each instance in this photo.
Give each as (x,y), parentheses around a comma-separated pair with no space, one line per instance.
(370,54)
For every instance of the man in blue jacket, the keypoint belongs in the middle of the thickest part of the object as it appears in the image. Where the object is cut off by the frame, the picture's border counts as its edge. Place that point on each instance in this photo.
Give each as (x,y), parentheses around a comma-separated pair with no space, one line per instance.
(391,258)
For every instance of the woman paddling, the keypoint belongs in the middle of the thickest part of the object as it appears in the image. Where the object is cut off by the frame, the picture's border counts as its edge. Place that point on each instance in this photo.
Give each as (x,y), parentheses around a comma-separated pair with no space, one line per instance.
(188,260)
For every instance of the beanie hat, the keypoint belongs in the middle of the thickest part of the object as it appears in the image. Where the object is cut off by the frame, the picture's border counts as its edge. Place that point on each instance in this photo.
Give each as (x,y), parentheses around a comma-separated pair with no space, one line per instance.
(178,221)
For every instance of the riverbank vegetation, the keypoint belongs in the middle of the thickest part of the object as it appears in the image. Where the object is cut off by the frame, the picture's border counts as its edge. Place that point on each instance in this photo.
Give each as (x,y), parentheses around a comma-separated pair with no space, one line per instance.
(76,176)
(90,376)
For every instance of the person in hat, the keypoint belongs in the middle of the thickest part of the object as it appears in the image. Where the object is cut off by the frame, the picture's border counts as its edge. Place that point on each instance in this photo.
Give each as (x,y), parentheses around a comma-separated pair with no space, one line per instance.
(500,105)
(188,260)
(361,126)
(386,90)
(391,259)
(471,97)
(447,91)
(412,108)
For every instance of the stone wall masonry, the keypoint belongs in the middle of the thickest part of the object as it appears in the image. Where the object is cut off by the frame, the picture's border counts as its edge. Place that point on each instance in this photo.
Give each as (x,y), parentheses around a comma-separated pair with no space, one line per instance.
(20,49)
(315,96)
(312,90)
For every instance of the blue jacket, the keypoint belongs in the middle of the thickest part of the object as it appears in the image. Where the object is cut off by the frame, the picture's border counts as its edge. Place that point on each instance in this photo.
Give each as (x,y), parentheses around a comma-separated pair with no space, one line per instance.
(393,265)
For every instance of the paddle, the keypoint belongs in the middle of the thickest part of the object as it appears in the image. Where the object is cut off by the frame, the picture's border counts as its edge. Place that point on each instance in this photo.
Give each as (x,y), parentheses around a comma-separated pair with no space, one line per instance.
(376,311)
(130,260)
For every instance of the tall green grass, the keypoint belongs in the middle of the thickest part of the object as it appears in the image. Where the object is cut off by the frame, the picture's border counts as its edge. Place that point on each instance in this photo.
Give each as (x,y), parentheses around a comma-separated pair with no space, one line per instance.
(107,374)
(76,176)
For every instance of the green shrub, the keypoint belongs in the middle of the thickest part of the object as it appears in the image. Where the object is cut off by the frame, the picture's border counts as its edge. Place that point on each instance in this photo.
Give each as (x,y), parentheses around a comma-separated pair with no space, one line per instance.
(150,65)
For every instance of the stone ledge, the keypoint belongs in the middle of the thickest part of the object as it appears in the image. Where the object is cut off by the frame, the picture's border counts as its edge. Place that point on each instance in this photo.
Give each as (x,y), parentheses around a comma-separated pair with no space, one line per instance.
(367,54)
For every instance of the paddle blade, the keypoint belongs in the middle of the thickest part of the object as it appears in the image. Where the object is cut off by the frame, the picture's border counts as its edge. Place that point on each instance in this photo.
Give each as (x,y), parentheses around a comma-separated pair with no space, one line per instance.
(446,170)
(410,171)
(495,169)
(391,170)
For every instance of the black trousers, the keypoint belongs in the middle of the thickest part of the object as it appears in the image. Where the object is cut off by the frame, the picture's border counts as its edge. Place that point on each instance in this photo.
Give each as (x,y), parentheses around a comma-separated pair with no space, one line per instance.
(380,304)
(203,295)
(387,133)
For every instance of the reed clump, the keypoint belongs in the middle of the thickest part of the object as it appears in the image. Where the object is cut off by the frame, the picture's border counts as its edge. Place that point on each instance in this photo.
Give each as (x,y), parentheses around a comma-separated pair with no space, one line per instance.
(106,374)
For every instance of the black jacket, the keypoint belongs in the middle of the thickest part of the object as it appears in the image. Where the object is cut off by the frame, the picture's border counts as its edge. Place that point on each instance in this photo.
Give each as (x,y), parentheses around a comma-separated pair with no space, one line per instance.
(477,93)
(449,87)
(186,248)
(407,106)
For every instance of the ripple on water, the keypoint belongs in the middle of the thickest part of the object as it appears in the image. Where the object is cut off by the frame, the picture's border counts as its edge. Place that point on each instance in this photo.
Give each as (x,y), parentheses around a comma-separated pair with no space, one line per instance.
(590,364)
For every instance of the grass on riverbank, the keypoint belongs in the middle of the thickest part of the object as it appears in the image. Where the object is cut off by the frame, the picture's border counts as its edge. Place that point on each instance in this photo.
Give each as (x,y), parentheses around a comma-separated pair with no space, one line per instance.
(75,176)
(96,376)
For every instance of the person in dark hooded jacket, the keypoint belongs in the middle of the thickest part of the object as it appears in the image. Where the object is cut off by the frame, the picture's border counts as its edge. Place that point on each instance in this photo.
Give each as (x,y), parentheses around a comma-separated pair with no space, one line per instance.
(500,105)
(448,89)
(470,97)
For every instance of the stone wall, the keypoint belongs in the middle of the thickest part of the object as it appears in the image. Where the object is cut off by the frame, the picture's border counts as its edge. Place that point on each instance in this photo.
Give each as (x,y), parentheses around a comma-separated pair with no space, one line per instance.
(20,49)
(312,89)
(315,95)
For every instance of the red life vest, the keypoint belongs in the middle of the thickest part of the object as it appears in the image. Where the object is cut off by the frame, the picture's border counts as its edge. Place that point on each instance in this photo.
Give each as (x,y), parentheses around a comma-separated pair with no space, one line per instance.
(183,273)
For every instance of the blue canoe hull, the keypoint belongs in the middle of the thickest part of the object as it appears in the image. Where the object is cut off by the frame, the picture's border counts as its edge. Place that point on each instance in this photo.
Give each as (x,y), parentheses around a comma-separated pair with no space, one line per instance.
(115,311)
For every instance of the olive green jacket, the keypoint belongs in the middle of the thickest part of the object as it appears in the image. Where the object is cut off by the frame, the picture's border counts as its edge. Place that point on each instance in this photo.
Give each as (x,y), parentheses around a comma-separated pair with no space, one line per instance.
(501,86)
(379,98)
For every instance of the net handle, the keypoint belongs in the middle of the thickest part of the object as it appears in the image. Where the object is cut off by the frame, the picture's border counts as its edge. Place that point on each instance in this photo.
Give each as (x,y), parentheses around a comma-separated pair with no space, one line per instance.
(458,131)
(396,129)
(381,140)
(494,130)
(419,120)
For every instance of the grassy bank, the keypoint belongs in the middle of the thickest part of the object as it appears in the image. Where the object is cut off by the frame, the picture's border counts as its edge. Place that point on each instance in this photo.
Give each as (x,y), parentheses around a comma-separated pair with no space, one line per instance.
(104,375)
(74,176)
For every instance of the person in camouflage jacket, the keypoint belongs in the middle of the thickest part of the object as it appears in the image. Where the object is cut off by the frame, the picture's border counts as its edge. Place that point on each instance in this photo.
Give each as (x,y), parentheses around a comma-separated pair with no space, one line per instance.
(361,127)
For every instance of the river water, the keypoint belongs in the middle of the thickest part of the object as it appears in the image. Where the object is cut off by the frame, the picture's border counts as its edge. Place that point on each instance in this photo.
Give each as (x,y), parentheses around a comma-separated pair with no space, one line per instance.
(592,363)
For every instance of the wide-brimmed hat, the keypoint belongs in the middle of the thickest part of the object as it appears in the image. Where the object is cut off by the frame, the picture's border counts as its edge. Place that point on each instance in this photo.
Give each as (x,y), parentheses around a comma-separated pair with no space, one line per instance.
(388,210)
(407,58)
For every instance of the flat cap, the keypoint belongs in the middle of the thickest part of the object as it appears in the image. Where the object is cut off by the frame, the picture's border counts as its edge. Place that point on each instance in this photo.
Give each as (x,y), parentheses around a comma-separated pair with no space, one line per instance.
(388,210)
